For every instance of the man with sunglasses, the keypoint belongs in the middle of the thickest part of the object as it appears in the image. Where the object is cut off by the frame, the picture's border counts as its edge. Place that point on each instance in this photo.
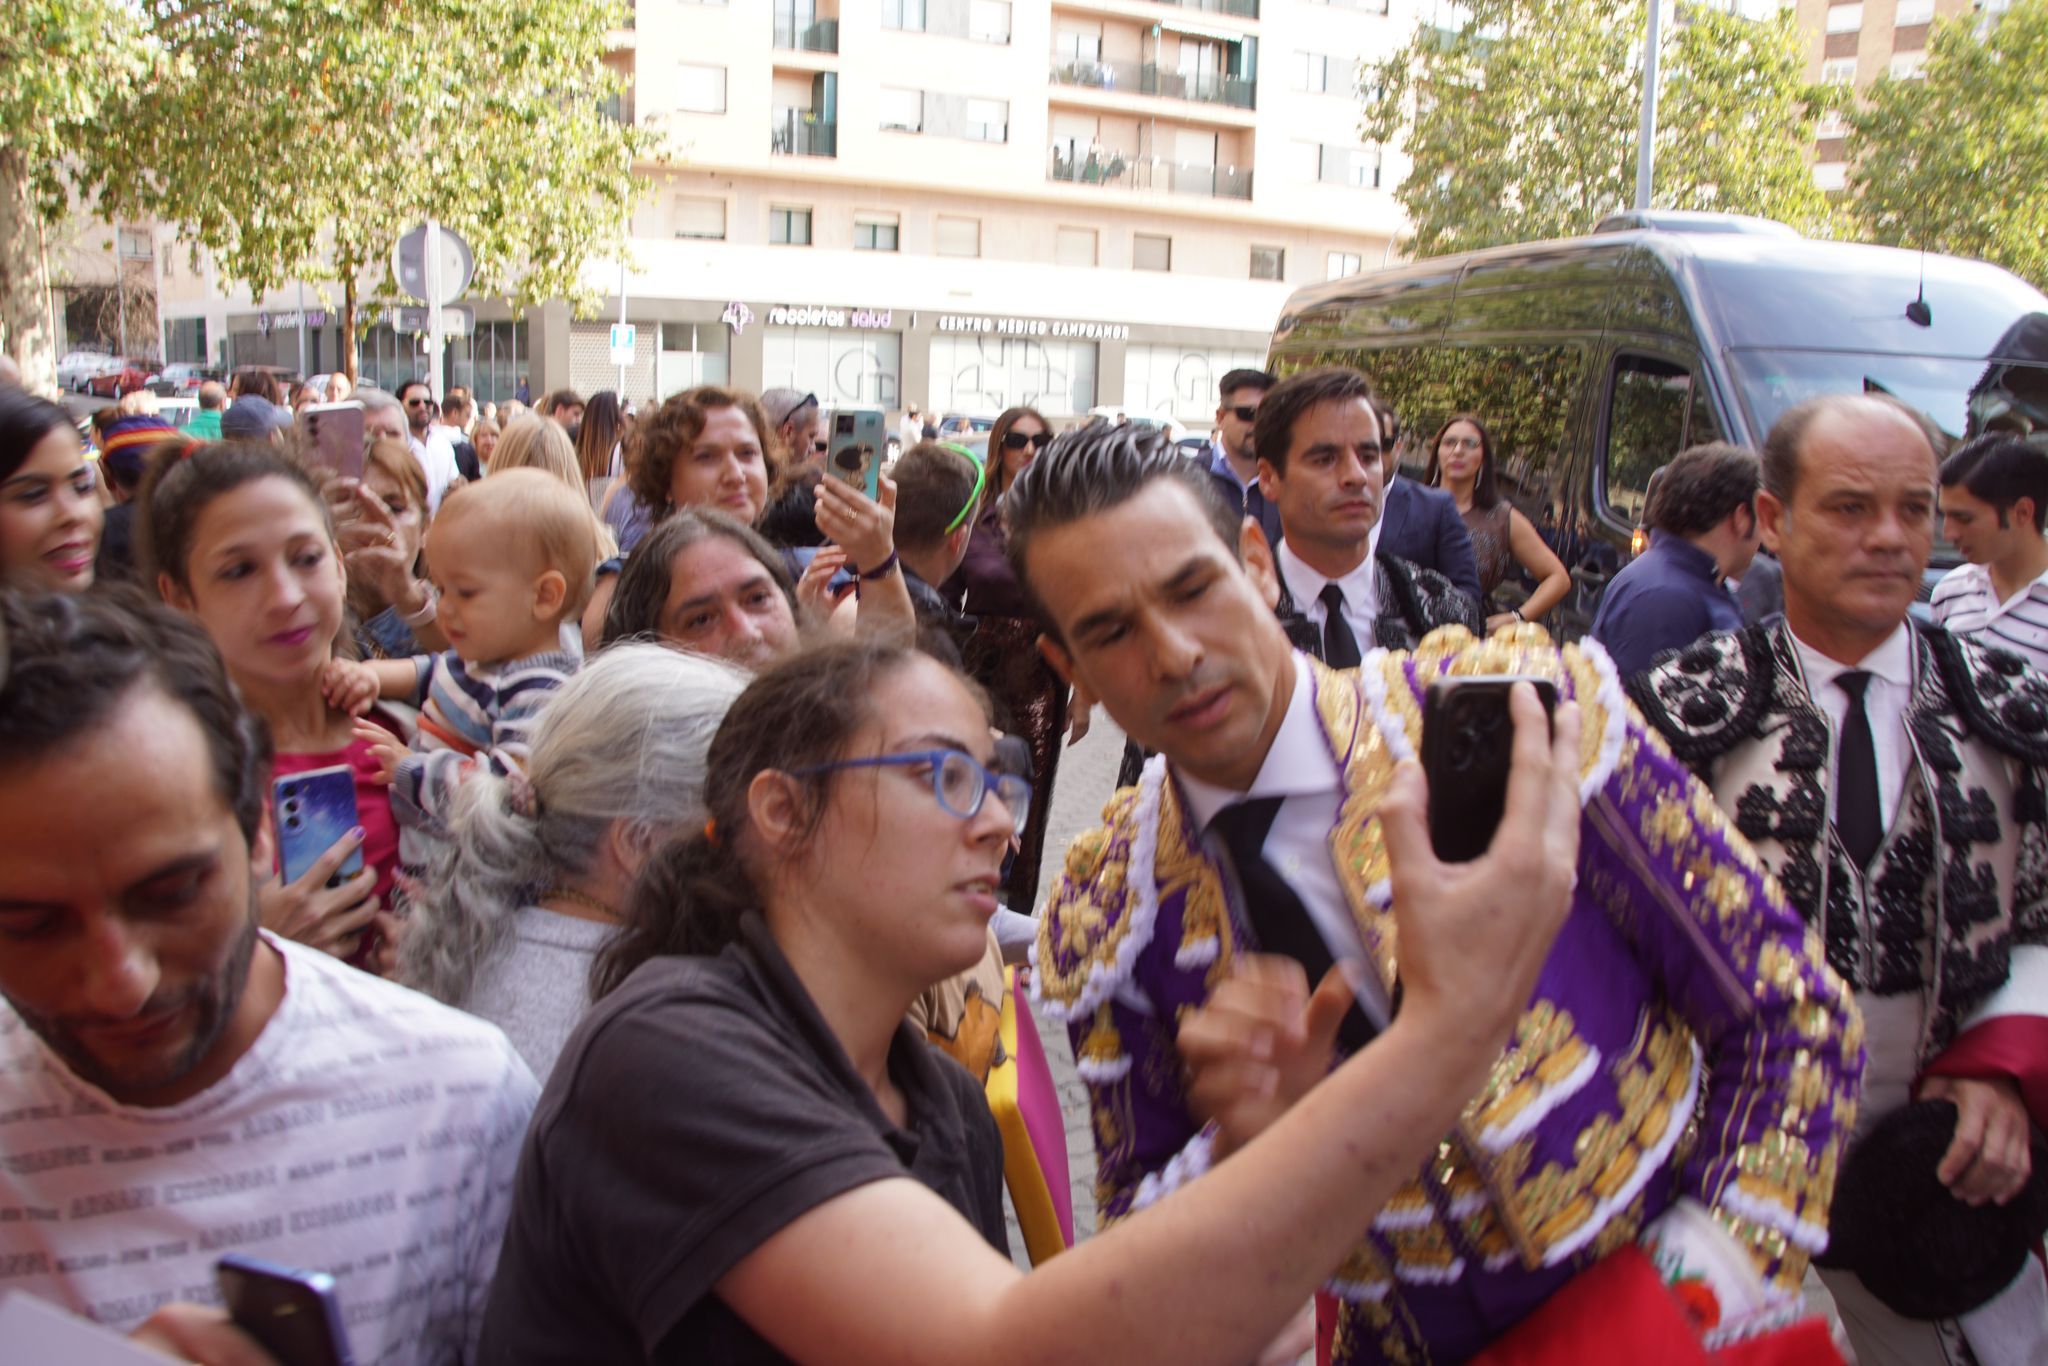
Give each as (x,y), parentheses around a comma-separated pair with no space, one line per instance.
(800,422)
(1233,463)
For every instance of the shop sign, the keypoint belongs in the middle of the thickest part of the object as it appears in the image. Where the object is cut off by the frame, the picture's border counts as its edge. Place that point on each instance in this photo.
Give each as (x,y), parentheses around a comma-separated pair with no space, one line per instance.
(1033,327)
(816,315)
(736,316)
(269,322)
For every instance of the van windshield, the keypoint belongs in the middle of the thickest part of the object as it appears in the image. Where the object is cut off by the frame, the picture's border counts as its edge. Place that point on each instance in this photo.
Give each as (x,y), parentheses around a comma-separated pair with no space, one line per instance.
(1961,397)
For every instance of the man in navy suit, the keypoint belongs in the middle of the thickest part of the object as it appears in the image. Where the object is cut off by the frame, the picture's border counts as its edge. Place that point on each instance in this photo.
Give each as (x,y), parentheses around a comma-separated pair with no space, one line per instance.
(1420,524)
(1233,464)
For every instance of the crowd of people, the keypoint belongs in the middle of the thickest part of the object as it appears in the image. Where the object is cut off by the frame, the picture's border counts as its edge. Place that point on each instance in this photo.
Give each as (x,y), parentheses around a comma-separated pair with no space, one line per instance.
(661,996)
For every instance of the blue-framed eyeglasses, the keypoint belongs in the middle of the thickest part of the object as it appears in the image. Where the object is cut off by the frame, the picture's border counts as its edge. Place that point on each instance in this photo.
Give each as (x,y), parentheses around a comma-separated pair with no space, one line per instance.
(959,783)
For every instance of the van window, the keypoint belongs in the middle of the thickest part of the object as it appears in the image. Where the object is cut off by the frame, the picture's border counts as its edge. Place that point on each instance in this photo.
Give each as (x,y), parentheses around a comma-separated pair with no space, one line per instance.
(1655,409)
(1522,391)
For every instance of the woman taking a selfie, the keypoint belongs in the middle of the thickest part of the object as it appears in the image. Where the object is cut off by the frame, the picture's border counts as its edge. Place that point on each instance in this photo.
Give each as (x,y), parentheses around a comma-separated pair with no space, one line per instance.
(236,536)
(745,1154)
(382,524)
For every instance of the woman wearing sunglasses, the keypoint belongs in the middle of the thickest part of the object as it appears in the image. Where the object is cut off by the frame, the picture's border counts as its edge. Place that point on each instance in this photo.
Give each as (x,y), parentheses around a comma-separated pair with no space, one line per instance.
(1002,655)
(744,1154)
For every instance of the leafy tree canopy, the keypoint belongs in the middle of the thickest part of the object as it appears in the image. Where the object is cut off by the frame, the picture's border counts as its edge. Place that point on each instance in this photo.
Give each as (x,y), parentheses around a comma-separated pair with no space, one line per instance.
(1522,123)
(1957,160)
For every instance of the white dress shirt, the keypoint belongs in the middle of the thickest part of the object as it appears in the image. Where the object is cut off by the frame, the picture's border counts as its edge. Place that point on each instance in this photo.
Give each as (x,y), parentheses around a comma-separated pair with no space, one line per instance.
(437,463)
(1300,769)
(1360,587)
(1885,699)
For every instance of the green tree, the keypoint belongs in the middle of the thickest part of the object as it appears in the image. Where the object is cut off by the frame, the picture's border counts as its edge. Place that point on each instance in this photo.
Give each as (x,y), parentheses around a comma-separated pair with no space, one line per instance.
(299,138)
(1522,123)
(1957,161)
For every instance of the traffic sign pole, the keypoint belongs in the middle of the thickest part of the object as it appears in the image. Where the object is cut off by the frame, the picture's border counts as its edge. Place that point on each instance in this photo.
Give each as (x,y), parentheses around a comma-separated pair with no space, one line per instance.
(434,302)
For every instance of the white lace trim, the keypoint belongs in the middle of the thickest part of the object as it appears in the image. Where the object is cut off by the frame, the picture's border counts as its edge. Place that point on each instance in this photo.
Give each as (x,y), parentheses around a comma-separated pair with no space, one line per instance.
(1372,681)
(1392,1220)
(1183,1167)
(1614,702)
(1430,1275)
(1198,953)
(1141,909)
(1496,1138)
(1647,1165)
(1809,1236)
(1102,1071)
(1360,1292)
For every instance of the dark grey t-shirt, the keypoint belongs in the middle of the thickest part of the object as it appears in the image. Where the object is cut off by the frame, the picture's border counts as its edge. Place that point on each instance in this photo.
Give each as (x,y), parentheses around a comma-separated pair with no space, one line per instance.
(698,1110)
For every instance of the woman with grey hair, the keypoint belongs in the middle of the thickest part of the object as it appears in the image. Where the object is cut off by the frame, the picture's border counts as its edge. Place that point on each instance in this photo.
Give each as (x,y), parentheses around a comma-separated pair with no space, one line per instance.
(525,893)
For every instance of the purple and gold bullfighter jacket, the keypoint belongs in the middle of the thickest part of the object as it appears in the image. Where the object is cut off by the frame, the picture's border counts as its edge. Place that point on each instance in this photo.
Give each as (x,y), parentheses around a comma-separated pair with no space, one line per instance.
(1685,1038)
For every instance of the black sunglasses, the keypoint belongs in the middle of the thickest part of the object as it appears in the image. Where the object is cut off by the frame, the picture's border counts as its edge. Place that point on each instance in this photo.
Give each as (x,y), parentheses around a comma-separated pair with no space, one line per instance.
(1244,414)
(1016,441)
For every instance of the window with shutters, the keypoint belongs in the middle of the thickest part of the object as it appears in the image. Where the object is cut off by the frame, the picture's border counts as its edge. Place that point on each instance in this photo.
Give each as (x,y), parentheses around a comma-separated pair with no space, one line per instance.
(691,217)
(789,227)
(957,236)
(874,232)
(902,110)
(1269,263)
(700,89)
(1074,246)
(1151,251)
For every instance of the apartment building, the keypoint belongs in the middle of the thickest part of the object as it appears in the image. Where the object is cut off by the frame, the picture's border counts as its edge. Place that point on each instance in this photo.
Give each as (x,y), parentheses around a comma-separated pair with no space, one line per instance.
(961,204)
(1855,42)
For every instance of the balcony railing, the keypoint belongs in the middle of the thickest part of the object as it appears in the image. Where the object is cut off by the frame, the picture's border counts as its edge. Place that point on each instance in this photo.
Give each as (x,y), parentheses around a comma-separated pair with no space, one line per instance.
(1243,9)
(822,36)
(801,133)
(1150,78)
(1118,171)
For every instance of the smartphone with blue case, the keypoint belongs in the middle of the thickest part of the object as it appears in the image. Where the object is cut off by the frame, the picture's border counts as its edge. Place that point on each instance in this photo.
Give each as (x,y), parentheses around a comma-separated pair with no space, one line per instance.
(857,445)
(292,1314)
(313,812)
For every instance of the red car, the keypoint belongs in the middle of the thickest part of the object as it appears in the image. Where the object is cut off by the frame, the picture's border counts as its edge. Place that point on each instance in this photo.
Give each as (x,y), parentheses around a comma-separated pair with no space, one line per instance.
(131,375)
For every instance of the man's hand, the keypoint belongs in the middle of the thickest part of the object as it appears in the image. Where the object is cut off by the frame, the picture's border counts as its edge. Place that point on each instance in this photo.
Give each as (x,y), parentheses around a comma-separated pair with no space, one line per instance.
(1259,1044)
(186,1332)
(1474,936)
(862,526)
(1988,1160)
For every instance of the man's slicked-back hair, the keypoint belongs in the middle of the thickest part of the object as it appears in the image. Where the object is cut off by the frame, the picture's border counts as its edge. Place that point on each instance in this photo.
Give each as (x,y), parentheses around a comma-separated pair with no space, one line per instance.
(1782,447)
(1092,470)
(1286,401)
(2000,469)
(71,661)
(1234,380)
(1696,492)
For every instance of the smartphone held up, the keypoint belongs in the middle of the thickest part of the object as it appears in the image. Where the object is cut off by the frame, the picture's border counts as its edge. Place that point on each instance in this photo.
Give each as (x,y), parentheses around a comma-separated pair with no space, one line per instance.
(1468,747)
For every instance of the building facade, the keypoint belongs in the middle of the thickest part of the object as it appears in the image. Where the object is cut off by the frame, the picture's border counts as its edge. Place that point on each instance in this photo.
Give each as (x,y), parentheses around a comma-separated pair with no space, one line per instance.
(957,204)
(1855,42)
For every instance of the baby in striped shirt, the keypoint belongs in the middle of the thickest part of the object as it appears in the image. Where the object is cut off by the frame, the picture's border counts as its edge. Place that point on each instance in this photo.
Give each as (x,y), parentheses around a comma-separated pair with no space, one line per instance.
(512,558)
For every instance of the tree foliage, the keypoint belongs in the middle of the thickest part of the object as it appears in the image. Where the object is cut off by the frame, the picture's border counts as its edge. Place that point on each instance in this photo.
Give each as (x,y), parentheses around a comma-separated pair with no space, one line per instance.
(1957,161)
(300,138)
(1522,123)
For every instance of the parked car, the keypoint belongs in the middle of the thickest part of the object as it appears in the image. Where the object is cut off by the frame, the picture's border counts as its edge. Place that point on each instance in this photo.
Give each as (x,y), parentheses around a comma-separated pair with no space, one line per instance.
(122,377)
(1595,360)
(79,366)
(182,378)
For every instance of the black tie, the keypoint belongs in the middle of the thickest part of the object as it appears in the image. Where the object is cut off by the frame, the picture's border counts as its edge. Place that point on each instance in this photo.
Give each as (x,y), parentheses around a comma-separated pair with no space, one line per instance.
(1858,818)
(1279,921)
(1340,647)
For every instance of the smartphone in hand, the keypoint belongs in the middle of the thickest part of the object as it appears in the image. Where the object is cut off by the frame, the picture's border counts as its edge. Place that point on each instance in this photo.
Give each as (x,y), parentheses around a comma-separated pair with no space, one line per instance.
(1468,742)
(293,1315)
(313,811)
(335,433)
(854,454)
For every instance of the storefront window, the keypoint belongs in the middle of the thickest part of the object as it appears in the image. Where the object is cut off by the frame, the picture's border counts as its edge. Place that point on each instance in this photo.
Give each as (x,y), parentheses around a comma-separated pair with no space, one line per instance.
(985,375)
(1180,381)
(845,369)
(691,354)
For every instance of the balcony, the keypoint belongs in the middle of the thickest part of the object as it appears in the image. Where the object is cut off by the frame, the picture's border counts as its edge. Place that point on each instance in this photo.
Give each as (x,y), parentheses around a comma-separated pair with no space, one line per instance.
(793,36)
(1243,9)
(1150,78)
(1117,171)
(801,133)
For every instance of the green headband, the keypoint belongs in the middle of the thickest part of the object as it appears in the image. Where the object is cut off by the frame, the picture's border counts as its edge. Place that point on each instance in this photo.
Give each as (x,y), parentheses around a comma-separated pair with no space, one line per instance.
(980,481)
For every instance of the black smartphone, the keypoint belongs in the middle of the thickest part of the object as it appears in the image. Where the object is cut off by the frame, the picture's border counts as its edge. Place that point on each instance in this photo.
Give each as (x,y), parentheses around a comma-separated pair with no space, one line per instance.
(1467,745)
(292,1314)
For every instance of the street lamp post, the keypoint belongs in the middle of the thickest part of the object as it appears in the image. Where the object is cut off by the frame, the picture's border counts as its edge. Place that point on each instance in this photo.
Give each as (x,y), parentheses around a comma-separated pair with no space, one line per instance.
(1646,138)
